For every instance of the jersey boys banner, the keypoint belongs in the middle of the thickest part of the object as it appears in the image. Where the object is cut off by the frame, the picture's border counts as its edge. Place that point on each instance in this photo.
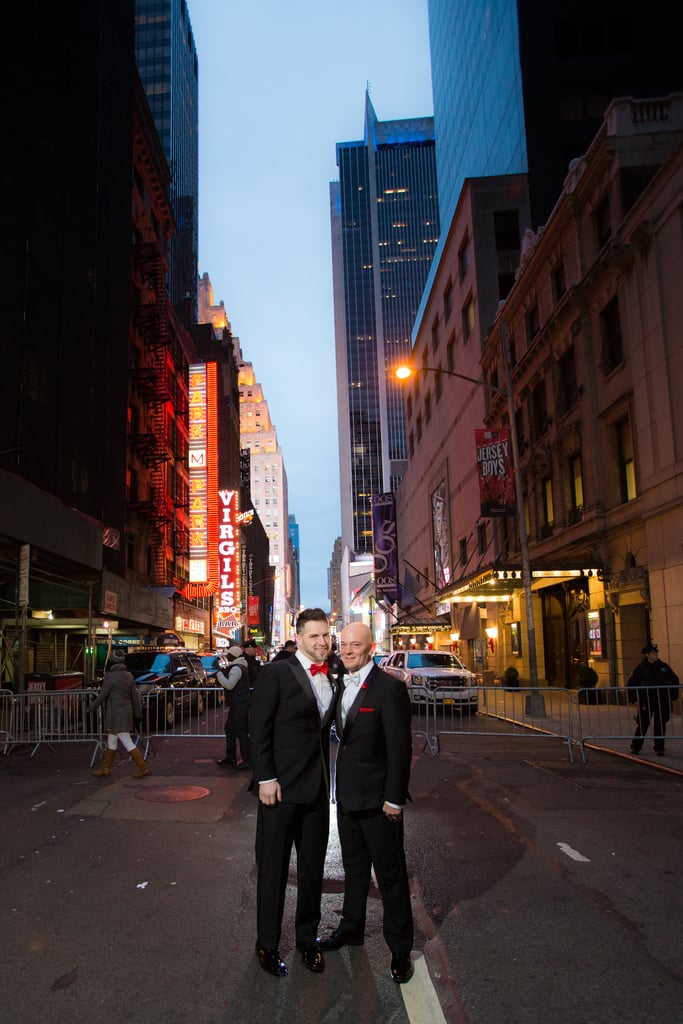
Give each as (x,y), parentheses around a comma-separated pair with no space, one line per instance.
(495,471)
(384,549)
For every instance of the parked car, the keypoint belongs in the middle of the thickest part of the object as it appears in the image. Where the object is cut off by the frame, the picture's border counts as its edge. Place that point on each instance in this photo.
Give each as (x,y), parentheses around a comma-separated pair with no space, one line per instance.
(157,672)
(437,674)
(213,664)
(379,658)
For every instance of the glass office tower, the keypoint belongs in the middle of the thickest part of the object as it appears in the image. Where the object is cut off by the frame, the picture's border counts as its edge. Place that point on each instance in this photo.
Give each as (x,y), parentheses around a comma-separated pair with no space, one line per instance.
(523,85)
(167,63)
(385,228)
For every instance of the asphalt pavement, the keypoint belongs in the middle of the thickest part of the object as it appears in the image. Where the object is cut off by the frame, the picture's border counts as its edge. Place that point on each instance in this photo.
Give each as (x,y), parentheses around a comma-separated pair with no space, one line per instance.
(543,891)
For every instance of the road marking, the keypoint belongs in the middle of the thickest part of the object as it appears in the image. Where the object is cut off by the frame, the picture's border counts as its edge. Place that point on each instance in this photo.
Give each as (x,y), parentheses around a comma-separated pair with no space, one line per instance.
(574,854)
(419,997)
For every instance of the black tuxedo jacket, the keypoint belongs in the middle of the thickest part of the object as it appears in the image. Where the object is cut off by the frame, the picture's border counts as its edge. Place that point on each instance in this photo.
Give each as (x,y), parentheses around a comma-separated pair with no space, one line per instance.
(375,745)
(289,742)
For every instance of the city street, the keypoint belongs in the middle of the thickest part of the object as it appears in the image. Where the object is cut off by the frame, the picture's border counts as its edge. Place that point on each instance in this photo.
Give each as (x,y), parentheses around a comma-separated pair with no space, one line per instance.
(543,892)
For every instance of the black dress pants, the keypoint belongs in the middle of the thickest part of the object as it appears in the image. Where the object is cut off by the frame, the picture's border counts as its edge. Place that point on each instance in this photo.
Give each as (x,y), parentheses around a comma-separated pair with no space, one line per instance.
(368,839)
(278,828)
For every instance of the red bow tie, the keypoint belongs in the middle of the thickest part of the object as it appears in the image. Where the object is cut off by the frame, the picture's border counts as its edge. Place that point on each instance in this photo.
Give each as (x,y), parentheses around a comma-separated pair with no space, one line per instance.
(319,668)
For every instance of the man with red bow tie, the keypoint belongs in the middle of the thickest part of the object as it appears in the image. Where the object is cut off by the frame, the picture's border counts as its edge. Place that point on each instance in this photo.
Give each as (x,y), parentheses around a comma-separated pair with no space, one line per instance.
(292,710)
(372,774)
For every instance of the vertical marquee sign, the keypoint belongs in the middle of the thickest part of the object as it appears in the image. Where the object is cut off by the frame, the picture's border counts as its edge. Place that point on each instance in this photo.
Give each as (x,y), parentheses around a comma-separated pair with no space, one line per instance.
(227,612)
(384,548)
(203,473)
(199,482)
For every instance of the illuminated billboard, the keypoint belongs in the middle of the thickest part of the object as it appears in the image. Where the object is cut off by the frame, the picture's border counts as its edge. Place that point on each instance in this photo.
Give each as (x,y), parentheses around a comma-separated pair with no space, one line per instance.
(203,471)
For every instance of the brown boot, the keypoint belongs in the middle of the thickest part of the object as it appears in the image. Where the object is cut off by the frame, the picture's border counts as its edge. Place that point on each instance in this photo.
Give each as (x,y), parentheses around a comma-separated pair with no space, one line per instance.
(109,756)
(143,767)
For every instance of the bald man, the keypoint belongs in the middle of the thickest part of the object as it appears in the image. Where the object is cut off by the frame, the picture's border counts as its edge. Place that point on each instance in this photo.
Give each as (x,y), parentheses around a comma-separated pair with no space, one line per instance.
(372,774)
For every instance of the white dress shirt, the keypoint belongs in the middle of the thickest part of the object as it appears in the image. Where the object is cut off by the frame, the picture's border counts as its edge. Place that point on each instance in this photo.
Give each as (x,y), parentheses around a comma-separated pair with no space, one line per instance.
(320,684)
(352,684)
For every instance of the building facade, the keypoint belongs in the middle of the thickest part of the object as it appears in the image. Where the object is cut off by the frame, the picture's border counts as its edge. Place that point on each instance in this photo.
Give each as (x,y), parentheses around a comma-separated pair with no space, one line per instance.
(168,66)
(594,357)
(385,227)
(269,494)
(93,416)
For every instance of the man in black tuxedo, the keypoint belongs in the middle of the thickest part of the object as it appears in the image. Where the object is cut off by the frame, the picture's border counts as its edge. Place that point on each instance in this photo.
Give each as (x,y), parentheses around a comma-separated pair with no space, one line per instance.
(292,710)
(372,774)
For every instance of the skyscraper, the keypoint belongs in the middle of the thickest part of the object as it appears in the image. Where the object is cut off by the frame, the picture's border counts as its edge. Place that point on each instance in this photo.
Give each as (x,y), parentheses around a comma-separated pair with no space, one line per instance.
(523,85)
(385,228)
(167,63)
(268,490)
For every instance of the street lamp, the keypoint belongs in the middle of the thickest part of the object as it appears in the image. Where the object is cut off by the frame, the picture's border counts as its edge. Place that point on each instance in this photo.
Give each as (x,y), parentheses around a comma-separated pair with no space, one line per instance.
(403,373)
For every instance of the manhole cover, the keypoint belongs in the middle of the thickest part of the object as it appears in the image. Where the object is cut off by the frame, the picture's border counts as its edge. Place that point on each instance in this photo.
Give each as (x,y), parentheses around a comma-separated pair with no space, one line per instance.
(172,794)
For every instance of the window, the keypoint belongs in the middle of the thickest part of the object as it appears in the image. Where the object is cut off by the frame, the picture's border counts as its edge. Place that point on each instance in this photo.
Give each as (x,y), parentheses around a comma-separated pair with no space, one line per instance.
(558,281)
(482,540)
(627,470)
(448,300)
(575,489)
(464,258)
(428,407)
(409,406)
(468,318)
(548,508)
(418,427)
(601,219)
(611,351)
(506,230)
(463,551)
(450,353)
(539,411)
(438,384)
(411,444)
(435,334)
(567,387)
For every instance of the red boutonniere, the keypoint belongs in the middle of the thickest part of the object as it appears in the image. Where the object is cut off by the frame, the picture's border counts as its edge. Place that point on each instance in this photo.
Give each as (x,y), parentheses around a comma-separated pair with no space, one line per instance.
(363,686)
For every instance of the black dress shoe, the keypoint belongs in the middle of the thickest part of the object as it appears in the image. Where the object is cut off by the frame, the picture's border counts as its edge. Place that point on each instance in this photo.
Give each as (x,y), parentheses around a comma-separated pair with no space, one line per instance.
(338,938)
(243,766)
(312,957)
(660,753)
(270,961)
(226,762)
(402,969)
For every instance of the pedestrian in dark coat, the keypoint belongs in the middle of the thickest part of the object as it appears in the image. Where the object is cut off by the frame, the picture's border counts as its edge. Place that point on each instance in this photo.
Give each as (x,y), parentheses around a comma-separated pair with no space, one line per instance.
(237,697)
(653,686)
(122,707)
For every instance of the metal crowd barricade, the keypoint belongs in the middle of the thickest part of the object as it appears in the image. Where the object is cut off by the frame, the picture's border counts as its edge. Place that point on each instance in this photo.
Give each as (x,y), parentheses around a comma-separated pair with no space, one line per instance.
(501,712)
(423,716)
(6,719)
(605,714)
(183,713)
(50,717)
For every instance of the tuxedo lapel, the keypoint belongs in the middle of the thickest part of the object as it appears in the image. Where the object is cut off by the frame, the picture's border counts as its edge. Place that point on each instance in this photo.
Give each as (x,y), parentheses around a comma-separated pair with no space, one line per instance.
(302,678)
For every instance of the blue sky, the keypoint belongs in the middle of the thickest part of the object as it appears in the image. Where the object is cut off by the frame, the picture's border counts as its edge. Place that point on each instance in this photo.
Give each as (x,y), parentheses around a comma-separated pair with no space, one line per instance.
(279,85)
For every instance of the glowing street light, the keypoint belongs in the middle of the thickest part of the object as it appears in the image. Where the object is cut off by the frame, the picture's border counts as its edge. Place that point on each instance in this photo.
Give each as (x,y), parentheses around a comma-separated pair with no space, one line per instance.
(404,373)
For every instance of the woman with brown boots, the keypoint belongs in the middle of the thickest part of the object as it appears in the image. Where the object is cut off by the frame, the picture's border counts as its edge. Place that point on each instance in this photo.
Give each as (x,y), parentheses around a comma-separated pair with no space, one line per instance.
(122,707)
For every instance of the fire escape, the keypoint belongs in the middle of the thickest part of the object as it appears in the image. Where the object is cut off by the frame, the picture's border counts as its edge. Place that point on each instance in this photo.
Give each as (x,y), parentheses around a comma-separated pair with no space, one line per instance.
(155,385)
